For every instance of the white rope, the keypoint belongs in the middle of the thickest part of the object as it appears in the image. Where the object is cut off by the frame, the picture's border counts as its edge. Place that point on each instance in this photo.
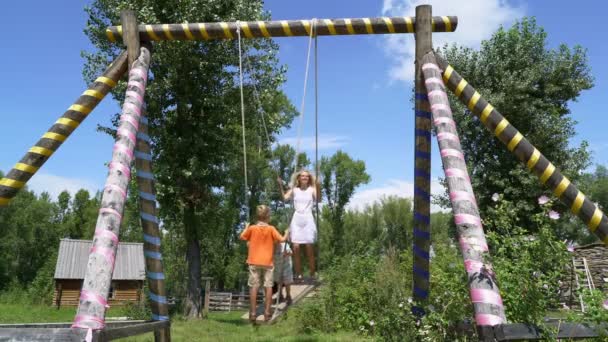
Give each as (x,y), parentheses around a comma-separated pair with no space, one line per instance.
(238,33)
(261,108)
(295,162)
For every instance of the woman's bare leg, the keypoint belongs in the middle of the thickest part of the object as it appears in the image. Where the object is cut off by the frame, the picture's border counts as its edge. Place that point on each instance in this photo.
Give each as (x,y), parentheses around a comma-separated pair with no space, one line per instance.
(310,253)
(296,259)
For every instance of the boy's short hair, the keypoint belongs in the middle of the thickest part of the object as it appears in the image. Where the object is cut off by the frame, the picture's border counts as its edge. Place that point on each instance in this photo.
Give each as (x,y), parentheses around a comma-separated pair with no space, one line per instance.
(263,212)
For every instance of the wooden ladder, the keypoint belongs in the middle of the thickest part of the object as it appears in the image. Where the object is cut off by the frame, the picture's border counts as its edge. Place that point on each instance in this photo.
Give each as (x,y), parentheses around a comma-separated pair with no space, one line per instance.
(583,278)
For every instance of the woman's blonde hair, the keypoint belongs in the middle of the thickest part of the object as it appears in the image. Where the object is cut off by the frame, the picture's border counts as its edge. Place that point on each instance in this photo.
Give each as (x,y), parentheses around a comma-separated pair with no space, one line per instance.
(295,178)
(263,212)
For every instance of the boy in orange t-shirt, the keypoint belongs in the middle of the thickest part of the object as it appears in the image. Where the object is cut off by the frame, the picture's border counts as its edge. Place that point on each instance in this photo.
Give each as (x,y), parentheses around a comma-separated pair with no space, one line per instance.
(262,238)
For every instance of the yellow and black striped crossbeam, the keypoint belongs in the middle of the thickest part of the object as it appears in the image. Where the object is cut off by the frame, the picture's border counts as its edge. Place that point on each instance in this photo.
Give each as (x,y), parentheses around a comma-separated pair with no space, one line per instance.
(282,28)
(548,174)
(60,131)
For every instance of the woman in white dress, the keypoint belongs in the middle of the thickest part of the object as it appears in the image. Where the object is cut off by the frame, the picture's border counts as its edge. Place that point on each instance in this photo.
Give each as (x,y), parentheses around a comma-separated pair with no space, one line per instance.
(303,230)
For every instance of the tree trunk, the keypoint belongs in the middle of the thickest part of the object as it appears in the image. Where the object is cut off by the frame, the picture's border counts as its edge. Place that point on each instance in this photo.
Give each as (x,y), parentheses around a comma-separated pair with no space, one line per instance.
(193,303)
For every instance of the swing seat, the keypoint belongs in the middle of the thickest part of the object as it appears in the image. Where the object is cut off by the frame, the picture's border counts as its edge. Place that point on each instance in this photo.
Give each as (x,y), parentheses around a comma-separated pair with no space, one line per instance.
(298,292)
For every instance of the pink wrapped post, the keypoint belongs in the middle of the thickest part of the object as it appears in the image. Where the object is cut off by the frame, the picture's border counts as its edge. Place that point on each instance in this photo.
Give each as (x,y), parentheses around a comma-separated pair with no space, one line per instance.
(98,277)
(487,303)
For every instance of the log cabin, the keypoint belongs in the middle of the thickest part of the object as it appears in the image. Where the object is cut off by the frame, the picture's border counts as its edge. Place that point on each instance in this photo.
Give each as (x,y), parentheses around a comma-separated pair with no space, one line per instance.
(127,280)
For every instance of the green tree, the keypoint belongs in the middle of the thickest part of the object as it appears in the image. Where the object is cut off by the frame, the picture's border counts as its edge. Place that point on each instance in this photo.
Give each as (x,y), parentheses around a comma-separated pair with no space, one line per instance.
(194,111)
(397,214)
(341,175)
(131,229)
(63,204)
(80,224)
(30,235)
(383,225)
(597,186)
(532,85)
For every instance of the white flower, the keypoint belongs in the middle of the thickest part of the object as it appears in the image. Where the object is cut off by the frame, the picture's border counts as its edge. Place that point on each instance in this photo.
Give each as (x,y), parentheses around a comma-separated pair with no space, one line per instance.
(543,200)
(361,328)
(605,304)
(495,197)
(545,286)
(400,305)
(570,247)
(372,323)
(554,215)
(409,300)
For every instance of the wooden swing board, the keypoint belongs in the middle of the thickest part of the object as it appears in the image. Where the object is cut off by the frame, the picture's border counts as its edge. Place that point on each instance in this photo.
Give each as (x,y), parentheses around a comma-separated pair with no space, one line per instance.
(298,292)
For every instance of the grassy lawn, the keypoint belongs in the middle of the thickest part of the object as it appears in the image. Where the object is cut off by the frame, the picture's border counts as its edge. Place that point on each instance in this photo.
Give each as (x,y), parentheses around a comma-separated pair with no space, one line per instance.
(219,326)
(230,327)
(20,313)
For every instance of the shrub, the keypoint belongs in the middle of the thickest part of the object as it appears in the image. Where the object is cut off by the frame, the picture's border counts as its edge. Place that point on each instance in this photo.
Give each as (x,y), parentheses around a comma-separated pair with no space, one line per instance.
(529,267)
(15,293)
(596,308)
(311,317)
(138,311)
(370,294)
(42,287)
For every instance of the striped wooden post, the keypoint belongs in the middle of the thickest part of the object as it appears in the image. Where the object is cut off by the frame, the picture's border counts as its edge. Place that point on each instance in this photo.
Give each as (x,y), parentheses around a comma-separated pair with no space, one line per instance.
(548,174)
(487,302)
(422,166)
(18,176)
(149,222)
(282,28)
(100,266)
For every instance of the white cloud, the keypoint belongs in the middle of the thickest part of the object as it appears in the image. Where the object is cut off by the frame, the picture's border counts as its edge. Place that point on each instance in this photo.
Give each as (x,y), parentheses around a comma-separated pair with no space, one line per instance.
(326,142)
(393,187)
(54,185)
(477,20)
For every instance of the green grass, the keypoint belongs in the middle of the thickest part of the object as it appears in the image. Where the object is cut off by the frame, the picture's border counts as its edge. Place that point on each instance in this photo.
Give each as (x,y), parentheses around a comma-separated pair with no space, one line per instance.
(230,327)
(23,313)
(218,327)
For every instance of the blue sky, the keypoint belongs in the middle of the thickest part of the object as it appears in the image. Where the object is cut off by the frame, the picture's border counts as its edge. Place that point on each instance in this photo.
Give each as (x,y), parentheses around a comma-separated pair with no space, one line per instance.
(364,84)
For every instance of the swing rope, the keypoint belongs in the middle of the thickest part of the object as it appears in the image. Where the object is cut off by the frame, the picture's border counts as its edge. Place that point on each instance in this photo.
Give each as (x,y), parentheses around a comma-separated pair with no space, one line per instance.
(300,124)
(238,32)
(312,33)
(317,171)
(299,136)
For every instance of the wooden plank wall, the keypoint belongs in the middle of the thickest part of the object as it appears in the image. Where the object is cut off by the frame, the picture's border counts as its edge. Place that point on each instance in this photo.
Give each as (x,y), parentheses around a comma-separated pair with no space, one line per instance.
(126,291)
